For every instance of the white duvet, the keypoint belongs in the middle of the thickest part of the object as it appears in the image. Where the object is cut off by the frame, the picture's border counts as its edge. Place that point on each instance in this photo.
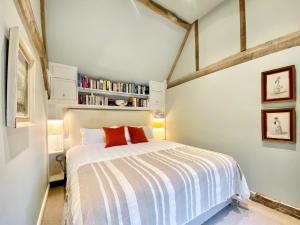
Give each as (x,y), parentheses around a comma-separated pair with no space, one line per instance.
(85,154)
(80,155)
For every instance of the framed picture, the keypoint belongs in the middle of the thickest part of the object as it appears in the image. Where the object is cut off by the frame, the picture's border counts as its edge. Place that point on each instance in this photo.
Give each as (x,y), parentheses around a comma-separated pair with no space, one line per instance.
(279,125)
(20,69)
(278,85)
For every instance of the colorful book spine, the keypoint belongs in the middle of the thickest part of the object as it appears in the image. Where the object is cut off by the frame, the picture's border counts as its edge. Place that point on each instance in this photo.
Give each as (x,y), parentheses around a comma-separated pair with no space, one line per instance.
(99,84)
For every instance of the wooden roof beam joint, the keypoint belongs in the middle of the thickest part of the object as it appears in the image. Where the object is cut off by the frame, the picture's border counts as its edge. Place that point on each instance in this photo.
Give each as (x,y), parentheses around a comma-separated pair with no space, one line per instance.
(165,13)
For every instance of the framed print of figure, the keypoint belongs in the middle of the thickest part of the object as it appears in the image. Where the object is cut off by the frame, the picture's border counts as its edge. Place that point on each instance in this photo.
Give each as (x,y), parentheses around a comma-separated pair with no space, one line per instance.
(279,125)
(278,85)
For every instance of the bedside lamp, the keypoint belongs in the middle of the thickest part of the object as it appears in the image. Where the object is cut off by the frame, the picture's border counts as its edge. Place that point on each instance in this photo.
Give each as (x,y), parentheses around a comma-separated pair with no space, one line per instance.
(158,123)
(158,126)
(55,135)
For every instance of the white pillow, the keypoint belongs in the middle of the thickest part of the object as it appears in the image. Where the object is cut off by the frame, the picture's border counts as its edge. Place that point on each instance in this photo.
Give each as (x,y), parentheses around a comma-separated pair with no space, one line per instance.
(148,132)
(92,136)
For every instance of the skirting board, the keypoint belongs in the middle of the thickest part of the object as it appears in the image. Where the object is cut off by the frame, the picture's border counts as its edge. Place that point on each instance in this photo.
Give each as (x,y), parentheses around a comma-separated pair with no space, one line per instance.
(279,206)
(39,221)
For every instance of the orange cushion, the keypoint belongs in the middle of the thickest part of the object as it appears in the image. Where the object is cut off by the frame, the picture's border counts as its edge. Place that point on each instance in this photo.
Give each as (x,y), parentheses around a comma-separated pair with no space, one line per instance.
(137,135)
(114,136)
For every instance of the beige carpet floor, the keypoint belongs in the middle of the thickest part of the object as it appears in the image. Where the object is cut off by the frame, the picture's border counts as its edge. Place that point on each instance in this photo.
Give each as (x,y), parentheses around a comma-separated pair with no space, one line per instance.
(54,210)
(250,213)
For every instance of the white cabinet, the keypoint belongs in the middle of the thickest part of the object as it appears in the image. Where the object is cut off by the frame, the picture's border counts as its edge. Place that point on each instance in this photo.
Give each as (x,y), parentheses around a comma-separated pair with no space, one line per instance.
(63,80)
(63,90)
(63,71)
(157,92)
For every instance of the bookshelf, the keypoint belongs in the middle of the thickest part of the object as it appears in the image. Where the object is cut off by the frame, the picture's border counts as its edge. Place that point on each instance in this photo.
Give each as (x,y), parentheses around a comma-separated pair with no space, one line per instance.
(107,94)
(67,85)
(111,93)
(107,107)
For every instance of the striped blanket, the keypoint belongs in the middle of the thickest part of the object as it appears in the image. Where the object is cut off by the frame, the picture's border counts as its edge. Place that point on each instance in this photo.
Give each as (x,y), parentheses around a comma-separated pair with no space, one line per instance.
(167,187)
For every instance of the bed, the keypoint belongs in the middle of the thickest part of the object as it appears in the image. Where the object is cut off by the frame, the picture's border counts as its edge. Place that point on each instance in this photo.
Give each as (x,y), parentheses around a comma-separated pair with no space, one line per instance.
(154,183)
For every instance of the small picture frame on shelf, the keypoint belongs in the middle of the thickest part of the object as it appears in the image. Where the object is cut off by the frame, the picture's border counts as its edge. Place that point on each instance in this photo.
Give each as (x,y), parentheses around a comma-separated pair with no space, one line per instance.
(278,85)
(279,125)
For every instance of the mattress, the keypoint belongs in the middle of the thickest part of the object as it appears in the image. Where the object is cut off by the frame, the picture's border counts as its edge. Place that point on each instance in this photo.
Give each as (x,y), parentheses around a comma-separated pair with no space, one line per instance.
(159,182)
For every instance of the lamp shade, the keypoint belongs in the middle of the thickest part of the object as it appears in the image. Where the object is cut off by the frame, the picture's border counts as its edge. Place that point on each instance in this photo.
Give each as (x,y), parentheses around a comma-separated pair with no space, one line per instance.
(55,127)
(158,123)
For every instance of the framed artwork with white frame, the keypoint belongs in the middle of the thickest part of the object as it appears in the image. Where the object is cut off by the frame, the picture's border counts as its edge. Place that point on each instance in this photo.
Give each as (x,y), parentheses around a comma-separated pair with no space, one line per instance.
(279,125)
(278,85)
(19,73)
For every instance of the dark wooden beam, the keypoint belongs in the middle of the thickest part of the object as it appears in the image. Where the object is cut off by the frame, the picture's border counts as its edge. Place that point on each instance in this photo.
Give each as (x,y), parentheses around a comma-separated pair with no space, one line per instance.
(179,53)
(43,23)
(27,16)
(165,13)
(278,44)
(243,34)
(197,45)
(273,204)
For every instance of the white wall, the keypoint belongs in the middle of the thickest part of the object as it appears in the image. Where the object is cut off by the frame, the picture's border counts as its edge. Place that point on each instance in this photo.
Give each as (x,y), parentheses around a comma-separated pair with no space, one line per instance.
(218,38)
(219,31)
(23,157)
(187,62)
(221,111)
(110,39)
(36,8)
(270,19)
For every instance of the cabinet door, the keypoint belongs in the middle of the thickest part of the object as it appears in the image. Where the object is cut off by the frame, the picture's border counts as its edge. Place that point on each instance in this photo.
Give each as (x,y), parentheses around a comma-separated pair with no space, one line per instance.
(157,86)
(63,71)
(157,100)
(64,90)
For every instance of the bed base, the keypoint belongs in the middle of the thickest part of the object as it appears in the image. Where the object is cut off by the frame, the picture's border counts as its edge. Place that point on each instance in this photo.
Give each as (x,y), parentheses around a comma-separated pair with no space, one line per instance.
(209,214)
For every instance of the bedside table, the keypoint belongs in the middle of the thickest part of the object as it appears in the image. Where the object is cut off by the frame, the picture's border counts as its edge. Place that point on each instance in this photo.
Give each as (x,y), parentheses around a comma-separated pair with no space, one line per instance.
(56,166)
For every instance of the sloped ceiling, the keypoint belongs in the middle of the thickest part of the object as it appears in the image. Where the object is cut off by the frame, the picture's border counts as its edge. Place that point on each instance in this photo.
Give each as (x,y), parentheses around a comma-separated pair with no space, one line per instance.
(111,39)
(118,39)
(189,10)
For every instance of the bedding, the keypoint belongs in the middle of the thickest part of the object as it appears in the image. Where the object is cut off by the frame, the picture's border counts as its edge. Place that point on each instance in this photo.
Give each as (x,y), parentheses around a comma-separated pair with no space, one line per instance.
(114,136)
(137,135)
(91,136)
(158,182)
(149,132)
(94,136)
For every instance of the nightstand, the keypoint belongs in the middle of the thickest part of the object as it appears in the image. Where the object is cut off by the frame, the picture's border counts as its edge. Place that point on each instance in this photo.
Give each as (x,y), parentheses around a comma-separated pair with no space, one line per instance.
(57,166)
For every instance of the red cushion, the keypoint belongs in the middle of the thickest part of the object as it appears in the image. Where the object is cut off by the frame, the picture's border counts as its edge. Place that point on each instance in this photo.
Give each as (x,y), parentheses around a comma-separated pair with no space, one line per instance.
(114,136)
(137,135)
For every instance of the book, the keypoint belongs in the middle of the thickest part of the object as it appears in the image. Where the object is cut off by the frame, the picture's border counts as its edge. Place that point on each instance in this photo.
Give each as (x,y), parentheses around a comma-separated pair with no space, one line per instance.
(87,82)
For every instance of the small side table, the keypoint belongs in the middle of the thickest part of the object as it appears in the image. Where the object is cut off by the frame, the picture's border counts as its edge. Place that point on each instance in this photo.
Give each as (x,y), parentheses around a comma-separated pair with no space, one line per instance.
(56,166)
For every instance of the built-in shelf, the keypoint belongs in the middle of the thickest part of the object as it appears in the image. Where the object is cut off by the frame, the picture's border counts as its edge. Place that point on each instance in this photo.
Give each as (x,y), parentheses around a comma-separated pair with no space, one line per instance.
(67,92)
(81,106)
(111,93)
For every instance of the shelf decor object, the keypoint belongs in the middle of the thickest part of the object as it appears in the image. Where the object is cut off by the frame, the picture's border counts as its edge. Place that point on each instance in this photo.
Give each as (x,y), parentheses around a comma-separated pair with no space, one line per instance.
(278,85)
(121,102)
(55,135)
(279,125)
